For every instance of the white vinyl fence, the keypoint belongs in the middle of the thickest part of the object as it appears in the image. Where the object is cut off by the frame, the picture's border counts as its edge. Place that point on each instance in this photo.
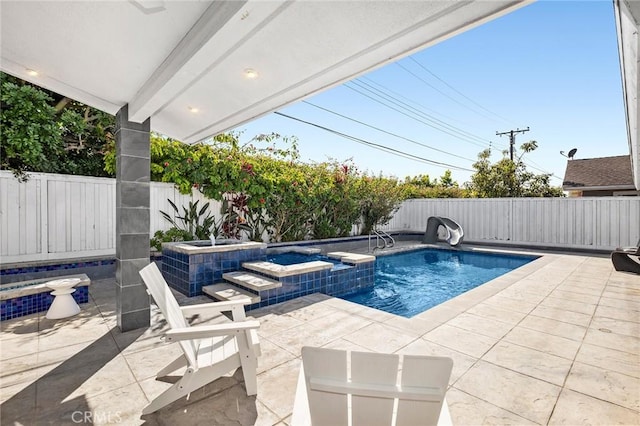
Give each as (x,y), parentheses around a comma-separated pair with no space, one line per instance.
(60,217)
(596,223)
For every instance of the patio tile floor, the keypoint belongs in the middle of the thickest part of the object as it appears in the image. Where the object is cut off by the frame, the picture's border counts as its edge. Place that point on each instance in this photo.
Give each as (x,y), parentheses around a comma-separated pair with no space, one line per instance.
(555,342)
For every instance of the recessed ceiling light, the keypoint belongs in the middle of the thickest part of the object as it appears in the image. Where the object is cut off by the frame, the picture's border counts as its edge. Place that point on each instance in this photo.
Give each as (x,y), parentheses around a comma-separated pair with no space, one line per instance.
(250,73)
(193,109)
(32,73)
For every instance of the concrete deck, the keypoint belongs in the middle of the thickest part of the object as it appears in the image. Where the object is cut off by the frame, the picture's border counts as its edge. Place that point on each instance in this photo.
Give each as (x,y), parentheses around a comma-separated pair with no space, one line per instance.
(556,341)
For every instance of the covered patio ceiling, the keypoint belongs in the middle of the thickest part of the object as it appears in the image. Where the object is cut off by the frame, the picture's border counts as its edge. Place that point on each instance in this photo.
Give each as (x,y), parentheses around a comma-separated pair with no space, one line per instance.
(198,68)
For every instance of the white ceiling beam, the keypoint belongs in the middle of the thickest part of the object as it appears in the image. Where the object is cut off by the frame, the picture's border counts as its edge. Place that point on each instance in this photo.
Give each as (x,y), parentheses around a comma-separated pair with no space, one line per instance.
(222,28)
(171,75)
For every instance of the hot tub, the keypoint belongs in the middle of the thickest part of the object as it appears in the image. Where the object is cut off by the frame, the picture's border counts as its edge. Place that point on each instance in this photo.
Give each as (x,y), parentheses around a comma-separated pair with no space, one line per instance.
(188,266)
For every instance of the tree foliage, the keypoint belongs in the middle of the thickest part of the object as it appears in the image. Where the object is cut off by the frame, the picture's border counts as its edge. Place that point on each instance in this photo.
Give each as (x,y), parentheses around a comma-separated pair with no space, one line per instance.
(422,186)
(45,132)
(282,197)
(507,178)
(380,199)
(30,139)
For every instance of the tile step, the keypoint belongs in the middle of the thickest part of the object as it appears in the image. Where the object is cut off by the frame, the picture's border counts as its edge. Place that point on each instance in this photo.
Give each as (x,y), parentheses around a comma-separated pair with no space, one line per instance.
(226,291)
(351,258)
(252,281)
(279,271)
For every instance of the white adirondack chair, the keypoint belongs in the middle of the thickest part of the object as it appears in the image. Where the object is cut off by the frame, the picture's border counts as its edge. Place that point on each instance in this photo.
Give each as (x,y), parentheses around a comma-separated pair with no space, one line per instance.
(361,389)
(209,351)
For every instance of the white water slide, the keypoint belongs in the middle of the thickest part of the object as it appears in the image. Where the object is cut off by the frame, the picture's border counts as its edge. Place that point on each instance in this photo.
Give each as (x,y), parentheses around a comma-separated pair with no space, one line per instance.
(453,231)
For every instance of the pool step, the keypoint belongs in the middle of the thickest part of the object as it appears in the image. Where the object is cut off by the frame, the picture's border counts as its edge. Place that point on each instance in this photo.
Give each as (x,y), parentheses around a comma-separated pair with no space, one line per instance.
(279,271)
(251,281)
(226,291)
(351,258)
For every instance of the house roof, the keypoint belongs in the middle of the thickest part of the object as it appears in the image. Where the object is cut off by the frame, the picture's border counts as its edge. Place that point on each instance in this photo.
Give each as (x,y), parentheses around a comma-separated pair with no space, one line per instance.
(599,173)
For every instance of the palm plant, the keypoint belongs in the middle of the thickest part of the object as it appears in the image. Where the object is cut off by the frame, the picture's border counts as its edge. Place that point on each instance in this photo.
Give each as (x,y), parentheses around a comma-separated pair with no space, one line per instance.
(197,222)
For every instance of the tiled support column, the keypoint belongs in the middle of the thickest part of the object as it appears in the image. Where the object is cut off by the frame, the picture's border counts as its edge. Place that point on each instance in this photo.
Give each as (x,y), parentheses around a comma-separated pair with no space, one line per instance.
(132,220)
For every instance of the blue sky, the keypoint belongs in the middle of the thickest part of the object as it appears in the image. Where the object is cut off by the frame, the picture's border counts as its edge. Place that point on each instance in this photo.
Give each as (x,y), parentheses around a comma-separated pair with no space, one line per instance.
(552,66)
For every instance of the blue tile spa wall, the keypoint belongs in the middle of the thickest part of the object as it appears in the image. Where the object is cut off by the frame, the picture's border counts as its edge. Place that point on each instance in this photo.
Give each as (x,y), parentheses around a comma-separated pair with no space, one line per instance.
(189,273)
(341,280)
(32,303)
(351,280)
(293,286)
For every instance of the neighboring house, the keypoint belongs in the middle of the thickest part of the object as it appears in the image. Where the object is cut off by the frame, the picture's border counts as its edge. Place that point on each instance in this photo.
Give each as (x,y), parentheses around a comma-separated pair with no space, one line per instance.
(600,177)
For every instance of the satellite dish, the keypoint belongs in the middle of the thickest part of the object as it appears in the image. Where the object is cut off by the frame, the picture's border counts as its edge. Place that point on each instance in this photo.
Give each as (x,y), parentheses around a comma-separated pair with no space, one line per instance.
(571,153)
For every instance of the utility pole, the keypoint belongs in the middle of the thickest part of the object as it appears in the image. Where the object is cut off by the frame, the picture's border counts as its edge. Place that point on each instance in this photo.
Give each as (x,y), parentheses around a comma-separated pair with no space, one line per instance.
(512,138)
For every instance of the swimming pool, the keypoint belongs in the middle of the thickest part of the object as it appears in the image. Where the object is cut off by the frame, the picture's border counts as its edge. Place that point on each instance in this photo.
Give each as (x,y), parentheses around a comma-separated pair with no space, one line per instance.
(409,283)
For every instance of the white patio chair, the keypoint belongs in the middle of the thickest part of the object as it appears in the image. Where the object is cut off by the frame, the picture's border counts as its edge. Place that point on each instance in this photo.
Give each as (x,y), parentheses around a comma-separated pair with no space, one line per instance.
(209,351)
(368,389)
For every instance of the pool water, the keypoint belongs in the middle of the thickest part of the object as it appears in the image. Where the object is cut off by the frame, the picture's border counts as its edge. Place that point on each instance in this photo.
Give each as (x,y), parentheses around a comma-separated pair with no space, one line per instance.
(412,282)
(293,258)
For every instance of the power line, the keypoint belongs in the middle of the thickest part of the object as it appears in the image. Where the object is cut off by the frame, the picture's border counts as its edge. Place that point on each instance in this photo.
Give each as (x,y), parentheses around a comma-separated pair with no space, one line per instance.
(459,92)
(543,171)
(480,106)
(383,88)
(538,167)
(460,135)
(375,145)
(530,164)
(427,116)
(385,131)
(416,111)
(443,93)
(389,150)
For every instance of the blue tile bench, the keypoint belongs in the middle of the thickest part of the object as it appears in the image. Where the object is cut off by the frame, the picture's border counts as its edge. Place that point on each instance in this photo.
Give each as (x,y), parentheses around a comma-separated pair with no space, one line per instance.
(28,297)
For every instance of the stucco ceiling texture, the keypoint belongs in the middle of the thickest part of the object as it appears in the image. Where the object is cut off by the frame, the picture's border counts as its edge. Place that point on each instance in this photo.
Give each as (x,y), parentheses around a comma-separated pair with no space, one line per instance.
(167,59)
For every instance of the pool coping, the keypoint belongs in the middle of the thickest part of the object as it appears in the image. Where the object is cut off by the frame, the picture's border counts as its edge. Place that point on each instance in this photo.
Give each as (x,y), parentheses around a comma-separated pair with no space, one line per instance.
(185,248)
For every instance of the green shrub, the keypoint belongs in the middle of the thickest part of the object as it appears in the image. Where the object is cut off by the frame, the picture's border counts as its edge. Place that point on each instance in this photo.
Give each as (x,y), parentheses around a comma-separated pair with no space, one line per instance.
(198,223)
(170,236)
